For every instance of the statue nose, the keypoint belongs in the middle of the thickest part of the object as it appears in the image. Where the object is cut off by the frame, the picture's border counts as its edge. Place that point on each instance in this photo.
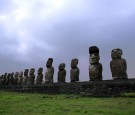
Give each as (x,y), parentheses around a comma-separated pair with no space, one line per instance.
(93,56)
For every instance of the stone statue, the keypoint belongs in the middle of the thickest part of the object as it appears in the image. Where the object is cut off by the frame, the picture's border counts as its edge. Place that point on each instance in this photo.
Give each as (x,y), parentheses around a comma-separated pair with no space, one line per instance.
(40,76)
(74,72)
(20,78)
(12,78)
(8,81)
(4,78)
(31,77)
(16,78)
(25,77)
(118,65)
(61,73)
(1,80)
(95,68)
(49,71)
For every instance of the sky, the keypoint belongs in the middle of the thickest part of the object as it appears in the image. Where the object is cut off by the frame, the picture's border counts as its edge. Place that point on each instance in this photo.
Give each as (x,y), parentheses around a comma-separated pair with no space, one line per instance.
(31,31)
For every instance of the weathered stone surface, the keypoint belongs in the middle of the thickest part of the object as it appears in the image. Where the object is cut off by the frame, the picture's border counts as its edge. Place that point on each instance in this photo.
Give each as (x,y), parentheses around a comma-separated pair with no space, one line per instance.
(31,77)
(91,88)
(61,73)
(1,80)
(95,72)
(16,78)
(40,76)
(8,79)
(4,78)
(95,68)
(12,78)
(25,77)
(49,71)
(74,72)
(118,65)
(20,78)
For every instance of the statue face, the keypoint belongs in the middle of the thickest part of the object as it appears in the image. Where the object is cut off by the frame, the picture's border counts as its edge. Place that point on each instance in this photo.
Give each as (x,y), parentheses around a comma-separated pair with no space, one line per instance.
(12,73)
(1,76)
(16,74)
(94,58)
(26,72)
(49,63)
(32,71)
(8,75)
(21,73)
(74,63)
(5,74)
(40,70)
(62,66)
(116,53)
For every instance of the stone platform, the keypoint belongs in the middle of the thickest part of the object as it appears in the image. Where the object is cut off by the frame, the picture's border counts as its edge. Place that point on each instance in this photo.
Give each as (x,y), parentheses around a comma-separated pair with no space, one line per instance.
(88,88)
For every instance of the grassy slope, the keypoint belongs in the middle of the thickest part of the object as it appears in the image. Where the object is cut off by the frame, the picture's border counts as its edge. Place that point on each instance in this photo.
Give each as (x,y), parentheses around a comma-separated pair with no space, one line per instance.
(42,104)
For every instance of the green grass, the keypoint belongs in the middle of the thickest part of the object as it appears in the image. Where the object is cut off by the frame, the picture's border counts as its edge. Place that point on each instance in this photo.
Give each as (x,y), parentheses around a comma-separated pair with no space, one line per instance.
(43,104)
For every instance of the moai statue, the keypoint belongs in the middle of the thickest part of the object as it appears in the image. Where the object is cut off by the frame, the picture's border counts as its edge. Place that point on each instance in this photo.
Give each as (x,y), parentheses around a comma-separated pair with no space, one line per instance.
(40,76)
(8,81)
(49,71)
(20,78)
(25,77)
(16,78)
(61,73)
(4,78)
(95,68)
(118,65)
(12,78)
(1,80)
(74,72)
(31,77)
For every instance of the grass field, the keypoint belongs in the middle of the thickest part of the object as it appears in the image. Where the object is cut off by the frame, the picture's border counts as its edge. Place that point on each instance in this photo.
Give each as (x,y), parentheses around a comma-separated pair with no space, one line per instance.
(43,104)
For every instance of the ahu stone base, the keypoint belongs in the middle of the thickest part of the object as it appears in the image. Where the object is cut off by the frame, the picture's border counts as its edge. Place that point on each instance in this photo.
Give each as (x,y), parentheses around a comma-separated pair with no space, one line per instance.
(91,88)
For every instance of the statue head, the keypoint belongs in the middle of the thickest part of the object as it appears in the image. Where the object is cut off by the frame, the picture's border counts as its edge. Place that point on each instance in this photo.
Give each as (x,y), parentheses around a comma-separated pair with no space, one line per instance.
(32,70)
(12,73)
(16,74)
(62,66)
(5,74)
(21,73)
(49,62)
(116,53)
(94,55)
(74,63)
(26,71)
(2,76)
(40,70)
(8,75)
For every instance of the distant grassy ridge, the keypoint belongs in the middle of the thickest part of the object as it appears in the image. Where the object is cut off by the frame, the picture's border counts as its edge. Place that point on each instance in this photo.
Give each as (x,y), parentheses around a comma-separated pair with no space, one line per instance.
(43,104)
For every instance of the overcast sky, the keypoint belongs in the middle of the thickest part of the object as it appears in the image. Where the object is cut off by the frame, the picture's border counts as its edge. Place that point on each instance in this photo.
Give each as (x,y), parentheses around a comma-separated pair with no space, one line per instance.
(31,31)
